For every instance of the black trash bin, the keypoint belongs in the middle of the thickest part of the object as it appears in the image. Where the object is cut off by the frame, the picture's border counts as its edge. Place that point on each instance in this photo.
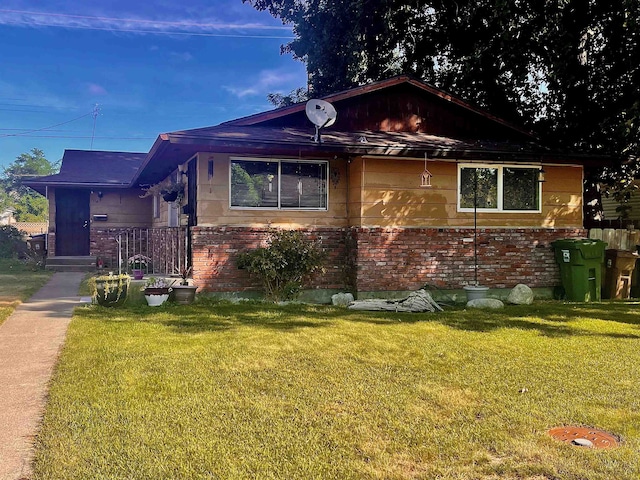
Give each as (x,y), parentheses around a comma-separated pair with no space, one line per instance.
(37,244)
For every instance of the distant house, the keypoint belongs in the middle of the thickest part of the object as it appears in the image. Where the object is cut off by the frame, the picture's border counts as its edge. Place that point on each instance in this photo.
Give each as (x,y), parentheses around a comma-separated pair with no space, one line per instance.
(6,217)
(363,189)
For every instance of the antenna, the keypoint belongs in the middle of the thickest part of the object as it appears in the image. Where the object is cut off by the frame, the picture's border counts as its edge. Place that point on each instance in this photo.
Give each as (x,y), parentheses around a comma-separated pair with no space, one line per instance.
(94,114)
(321,114)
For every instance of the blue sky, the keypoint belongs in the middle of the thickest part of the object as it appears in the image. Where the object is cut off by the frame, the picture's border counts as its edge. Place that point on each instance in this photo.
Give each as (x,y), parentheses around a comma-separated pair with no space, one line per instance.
(151,67)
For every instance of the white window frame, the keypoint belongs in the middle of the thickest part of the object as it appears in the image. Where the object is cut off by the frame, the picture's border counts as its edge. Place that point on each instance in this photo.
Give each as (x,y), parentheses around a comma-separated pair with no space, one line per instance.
(500,168)
(280,161)
(173,214)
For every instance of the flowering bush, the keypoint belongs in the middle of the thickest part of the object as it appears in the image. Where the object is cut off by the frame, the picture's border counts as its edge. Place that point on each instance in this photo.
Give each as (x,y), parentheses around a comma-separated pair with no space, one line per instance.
(139,262)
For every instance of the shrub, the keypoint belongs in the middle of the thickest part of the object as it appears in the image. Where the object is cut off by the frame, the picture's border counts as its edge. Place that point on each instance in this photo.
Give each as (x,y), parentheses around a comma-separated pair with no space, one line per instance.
(12,244)
(284,263)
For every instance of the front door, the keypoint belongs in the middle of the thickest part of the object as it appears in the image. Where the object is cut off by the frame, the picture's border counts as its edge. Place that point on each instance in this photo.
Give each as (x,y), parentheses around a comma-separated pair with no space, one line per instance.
(72,222)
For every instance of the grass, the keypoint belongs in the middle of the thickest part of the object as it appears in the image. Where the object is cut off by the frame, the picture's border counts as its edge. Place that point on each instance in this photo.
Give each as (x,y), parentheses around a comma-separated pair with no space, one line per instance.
(216,390)
(18,281)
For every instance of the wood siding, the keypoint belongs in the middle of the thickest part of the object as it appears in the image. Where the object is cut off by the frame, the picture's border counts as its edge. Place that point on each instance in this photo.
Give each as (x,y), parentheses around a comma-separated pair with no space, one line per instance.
(124,208)
(213,200)
(391,196)
(386,192)
(407,108)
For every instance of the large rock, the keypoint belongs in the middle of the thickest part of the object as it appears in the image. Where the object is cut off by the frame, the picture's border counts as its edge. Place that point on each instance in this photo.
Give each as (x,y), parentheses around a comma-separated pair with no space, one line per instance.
(341,299)
(520,295)
(485,303)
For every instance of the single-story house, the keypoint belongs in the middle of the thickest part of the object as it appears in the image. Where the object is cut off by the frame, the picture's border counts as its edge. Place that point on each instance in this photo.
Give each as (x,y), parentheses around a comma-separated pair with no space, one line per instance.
(389,188)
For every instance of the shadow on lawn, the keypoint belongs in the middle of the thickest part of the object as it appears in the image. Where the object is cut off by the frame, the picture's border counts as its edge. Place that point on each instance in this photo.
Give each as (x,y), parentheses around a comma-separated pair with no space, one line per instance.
(552,319)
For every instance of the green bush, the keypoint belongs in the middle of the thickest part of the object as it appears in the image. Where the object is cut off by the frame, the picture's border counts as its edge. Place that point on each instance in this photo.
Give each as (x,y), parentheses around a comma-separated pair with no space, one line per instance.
(284,263)
(12,243)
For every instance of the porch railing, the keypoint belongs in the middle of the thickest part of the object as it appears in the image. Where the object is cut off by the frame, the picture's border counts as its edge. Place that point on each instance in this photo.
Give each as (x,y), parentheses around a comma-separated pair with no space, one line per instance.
(166,247)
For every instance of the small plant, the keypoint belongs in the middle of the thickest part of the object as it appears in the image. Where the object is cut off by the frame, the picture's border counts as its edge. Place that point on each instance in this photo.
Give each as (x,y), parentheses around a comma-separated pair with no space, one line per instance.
(139,262)
(109,289)
(169,189)
(184,275)
(284,263)
(157,282)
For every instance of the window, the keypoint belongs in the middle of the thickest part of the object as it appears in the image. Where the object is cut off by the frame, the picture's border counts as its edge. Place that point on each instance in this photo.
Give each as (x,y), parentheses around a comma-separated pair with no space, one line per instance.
(499,188)
(278,184)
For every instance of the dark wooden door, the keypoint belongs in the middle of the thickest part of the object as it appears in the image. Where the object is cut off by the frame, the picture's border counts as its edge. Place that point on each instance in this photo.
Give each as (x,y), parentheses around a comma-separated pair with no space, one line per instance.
(72,222)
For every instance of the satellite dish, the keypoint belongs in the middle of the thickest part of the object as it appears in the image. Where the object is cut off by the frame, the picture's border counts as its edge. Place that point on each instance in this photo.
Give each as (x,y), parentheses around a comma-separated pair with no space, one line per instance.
(322,114)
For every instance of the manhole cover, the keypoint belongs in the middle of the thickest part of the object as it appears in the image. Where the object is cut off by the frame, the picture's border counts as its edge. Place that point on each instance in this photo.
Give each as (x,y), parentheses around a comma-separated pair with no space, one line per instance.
(584,437)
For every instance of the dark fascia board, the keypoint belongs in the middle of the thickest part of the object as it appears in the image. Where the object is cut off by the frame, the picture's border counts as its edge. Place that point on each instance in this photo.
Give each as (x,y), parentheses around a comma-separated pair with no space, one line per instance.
(194,143)
(372,87)
(161,143)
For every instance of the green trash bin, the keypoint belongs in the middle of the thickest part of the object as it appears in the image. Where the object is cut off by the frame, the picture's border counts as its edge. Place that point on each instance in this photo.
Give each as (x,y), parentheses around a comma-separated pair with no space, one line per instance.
(580,263)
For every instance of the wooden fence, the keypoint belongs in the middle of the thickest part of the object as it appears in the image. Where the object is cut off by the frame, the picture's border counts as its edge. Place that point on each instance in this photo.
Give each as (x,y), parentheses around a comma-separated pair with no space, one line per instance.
(619,239)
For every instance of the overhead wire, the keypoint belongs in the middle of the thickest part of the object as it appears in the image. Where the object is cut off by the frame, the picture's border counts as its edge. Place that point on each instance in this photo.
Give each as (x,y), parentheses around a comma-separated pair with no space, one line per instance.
(44,128)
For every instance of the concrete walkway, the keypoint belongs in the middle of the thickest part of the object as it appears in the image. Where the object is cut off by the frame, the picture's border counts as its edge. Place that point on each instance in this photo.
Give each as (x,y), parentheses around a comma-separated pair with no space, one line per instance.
(30,342)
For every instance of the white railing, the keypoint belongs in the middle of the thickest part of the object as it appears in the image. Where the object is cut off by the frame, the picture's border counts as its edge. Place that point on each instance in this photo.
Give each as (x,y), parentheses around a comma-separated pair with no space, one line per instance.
(166,247)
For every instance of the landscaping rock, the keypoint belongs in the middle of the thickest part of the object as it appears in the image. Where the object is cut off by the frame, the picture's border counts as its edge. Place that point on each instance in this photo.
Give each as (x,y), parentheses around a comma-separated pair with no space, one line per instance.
(520,295)
(341,299)
(420,301)
(487,303)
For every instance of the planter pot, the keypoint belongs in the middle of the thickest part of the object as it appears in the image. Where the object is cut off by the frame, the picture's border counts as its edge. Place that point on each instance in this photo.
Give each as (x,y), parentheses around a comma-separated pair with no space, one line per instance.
(474,292)
(156,300)
(184,294)
(157,291)
(137,274)
(111,295)
(170,196)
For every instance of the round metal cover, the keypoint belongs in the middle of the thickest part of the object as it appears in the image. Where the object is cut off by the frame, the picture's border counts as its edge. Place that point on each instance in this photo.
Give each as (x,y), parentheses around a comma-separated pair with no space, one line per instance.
(575,435)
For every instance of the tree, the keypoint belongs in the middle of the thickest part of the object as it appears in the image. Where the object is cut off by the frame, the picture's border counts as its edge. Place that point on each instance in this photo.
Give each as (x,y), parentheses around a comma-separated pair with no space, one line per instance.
(29,205)
(294,96)
(565,69)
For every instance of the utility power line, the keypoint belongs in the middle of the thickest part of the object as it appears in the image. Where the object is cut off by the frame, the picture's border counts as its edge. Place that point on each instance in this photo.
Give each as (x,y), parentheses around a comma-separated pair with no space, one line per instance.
(44,128)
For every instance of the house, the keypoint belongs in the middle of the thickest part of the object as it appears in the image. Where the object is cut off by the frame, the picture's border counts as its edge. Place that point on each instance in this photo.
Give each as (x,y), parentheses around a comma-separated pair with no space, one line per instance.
(6,217)
(363,189)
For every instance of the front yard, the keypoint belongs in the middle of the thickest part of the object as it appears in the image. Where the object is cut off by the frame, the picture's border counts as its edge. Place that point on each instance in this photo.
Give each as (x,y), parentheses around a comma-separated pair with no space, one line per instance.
(216,390)
(18,281)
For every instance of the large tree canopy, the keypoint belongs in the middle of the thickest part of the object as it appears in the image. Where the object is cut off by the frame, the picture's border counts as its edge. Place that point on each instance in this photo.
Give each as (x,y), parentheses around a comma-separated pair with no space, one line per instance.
(566,69)
(28,205)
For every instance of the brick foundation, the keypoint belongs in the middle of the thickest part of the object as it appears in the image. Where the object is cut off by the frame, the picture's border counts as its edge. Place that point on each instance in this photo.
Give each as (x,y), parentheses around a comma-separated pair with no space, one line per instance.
(409,258)
(215,250)
(392,259)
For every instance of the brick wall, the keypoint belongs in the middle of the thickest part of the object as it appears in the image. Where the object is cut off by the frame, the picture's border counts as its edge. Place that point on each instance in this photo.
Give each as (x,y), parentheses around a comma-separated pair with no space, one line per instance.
(407,259)
(392,259)
(215,250)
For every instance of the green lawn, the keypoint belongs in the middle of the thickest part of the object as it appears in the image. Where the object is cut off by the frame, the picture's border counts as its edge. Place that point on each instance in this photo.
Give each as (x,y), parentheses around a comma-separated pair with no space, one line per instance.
(216,390)
(18,281)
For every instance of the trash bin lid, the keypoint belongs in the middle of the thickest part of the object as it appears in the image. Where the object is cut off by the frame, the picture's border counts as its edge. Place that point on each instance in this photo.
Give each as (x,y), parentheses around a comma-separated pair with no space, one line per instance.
(587,247)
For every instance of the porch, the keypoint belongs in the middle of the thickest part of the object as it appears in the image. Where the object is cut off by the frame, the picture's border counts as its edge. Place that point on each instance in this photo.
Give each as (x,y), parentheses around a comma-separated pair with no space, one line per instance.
(166,247)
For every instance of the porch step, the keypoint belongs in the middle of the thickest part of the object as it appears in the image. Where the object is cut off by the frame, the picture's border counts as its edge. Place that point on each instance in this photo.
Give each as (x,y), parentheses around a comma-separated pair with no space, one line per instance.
(71,264)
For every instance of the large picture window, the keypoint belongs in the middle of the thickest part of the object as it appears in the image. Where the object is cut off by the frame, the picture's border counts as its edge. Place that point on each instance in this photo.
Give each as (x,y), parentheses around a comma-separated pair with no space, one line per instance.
(498,188)
(278,184)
